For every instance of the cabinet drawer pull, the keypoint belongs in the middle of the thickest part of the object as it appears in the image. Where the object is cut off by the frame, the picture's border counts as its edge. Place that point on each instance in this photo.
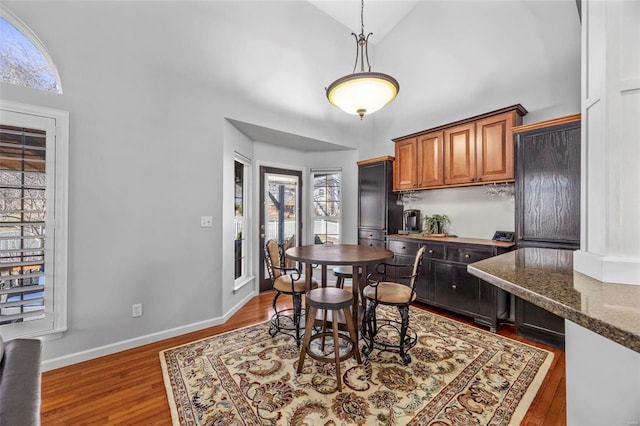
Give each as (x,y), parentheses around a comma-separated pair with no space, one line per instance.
(430,251)
(404,248)
(466,256)
(453,286)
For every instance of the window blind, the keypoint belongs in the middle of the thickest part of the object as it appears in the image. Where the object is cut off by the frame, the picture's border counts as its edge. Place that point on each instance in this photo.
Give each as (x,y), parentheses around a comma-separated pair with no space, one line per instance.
(23,182)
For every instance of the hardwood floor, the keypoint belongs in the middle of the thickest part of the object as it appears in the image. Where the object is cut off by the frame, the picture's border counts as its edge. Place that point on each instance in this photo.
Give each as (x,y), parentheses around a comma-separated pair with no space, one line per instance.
(127,387)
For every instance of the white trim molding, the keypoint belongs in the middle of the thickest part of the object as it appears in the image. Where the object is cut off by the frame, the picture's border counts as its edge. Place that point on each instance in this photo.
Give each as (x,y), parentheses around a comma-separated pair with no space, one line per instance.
(607,269)
(74,358)
(18,114)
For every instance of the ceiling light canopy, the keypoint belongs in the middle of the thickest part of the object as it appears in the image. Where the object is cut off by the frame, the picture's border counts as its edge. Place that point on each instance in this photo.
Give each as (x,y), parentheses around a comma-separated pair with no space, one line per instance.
(363,92)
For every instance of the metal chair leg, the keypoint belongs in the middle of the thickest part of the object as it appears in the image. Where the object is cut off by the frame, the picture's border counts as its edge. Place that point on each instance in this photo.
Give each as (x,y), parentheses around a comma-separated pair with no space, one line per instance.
(297,314)
(404,316)
(273,328)
(370,328)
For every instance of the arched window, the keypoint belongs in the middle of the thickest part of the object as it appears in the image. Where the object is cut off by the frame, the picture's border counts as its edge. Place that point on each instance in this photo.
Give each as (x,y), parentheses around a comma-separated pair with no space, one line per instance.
(24,61)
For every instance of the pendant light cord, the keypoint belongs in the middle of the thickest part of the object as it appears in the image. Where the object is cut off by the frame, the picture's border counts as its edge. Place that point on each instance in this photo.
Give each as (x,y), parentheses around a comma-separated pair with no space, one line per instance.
(362,44)
(362,17)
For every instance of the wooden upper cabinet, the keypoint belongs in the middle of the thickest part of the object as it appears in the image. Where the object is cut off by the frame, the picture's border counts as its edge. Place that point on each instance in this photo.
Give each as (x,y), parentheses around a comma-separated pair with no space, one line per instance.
(494,147)
(430,154)
(473,151)
(404,168)
(418,163)
(460,154)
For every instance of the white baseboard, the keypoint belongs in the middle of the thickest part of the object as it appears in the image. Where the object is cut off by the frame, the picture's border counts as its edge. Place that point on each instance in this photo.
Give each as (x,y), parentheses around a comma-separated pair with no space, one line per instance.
(63,361)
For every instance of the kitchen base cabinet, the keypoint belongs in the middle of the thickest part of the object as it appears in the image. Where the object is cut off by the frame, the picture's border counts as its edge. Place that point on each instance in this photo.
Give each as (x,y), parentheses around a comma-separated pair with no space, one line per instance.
(538,324)
(458,291)
(444,281)
(493,307)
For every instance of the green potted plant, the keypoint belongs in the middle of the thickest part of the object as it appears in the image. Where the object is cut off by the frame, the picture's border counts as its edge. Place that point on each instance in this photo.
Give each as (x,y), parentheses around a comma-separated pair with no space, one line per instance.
(435,224)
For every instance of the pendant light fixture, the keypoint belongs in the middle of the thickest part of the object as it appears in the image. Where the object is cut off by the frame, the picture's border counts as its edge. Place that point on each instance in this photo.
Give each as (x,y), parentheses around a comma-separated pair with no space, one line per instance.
(363,92)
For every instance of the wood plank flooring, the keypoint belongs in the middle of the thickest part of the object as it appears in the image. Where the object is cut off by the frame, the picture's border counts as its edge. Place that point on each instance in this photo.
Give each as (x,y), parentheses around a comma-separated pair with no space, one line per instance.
(126,388)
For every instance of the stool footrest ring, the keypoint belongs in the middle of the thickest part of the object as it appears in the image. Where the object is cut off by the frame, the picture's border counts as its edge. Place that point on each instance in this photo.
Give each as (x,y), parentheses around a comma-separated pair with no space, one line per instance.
(283,322)
(331,359)
(382,342)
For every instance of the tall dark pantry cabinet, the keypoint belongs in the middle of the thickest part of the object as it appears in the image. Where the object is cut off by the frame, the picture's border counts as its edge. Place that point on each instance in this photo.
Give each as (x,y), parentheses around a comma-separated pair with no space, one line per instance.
(547,206)
(378,211)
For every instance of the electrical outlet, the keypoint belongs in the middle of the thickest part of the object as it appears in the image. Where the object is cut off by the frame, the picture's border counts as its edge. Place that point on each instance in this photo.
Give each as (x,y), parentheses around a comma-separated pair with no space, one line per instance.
(206,221)
(136,310)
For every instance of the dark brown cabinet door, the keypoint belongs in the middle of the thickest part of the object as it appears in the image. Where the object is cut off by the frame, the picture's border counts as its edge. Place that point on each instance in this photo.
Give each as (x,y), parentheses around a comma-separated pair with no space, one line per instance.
(548,186)
(540,325)
(547,207)
(378,212)
(455,287)
(372,179)
(424,284)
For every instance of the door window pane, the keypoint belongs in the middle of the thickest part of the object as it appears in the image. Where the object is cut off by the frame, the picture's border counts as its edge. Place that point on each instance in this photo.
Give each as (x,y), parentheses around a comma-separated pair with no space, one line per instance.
(282,206)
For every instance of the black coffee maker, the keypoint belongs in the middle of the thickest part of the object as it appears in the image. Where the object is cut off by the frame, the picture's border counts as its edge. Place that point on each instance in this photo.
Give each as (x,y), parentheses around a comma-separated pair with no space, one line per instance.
(411,222)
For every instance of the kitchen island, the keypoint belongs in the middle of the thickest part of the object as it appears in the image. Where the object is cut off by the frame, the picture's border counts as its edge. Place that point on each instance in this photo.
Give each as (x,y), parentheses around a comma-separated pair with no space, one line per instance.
(602,330)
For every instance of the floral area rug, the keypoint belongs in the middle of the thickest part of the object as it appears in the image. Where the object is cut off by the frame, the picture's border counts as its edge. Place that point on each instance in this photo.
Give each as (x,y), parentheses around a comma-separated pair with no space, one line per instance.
(459,375)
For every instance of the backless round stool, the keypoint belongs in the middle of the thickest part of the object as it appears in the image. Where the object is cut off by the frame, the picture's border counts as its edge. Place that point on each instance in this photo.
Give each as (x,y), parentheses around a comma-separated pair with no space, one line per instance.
(335,300)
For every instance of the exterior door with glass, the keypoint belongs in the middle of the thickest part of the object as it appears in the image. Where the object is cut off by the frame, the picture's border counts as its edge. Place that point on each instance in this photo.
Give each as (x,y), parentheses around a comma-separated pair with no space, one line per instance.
(280,212)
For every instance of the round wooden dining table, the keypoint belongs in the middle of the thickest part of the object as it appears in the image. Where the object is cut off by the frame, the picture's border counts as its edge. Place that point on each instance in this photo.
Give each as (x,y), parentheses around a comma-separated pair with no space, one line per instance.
(340,254)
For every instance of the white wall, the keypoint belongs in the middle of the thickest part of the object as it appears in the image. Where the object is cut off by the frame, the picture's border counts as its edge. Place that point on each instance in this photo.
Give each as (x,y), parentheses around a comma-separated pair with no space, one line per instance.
(603,379)
(456,82)
(479,56)
(148,157)
(473,214)
(148,86)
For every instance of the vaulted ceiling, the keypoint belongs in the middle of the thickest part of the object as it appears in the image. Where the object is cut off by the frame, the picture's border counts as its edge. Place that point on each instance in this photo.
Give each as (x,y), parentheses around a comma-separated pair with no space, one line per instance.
(453,58)
(457,58)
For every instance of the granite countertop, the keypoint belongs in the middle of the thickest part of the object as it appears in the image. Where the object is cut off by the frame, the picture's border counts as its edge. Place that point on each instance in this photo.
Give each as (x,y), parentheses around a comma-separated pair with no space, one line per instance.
(545,277)
(452,239)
